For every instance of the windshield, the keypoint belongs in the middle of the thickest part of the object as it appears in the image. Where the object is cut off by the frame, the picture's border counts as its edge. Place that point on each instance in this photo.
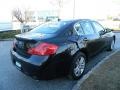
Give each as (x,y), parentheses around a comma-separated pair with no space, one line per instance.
(50,27)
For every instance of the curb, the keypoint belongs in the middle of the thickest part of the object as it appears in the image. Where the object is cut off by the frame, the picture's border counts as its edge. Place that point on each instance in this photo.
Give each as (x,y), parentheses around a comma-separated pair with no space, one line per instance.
(6,39)
(116,31)
(77,86)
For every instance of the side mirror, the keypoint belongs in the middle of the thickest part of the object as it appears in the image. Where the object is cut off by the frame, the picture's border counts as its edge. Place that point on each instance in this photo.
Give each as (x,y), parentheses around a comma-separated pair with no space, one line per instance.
(102,32)
(108,30)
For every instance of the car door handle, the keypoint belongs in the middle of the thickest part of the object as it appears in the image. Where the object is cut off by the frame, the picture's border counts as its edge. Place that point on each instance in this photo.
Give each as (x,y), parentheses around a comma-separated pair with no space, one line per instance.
(85,39)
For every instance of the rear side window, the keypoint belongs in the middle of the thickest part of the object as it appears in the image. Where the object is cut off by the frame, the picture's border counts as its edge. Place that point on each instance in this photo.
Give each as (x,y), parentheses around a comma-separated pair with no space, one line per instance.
(87,27)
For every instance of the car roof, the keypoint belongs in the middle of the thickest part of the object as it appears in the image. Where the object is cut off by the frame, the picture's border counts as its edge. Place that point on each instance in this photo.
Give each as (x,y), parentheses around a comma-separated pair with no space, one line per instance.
(74,20)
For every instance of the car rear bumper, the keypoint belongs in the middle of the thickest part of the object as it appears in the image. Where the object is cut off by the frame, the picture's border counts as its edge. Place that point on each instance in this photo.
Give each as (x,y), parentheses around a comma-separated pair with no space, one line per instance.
(35,66)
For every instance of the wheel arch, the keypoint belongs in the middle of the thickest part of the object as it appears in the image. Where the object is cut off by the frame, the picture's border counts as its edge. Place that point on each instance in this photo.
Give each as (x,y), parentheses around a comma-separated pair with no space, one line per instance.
(83,50)
(71,75)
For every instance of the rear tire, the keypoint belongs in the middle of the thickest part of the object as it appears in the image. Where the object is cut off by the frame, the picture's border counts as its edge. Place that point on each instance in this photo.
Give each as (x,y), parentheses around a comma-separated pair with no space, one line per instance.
(77,66)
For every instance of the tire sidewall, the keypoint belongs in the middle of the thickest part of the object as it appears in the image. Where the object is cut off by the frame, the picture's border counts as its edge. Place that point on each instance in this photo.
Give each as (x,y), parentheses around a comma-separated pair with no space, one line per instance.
(112,43)
(76,56)
(110,49)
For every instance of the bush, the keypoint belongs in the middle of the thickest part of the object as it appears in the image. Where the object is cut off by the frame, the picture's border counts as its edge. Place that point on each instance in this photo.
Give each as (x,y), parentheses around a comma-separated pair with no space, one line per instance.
(9,34)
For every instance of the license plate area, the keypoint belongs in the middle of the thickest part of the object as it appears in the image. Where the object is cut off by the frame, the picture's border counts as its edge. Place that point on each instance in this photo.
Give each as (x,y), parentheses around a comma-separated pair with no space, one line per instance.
(18,65)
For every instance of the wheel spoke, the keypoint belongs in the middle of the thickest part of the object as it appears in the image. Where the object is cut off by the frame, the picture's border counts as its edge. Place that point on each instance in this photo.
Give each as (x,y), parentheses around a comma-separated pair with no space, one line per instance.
(82,70)
(80,65)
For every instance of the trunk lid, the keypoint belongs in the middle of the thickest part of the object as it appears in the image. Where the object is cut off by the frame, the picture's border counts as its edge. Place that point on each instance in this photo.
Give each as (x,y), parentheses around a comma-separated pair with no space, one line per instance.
(27,40)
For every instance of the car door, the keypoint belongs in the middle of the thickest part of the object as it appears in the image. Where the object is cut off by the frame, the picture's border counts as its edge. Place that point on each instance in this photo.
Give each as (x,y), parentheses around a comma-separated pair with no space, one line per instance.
(101,32)
(90,38)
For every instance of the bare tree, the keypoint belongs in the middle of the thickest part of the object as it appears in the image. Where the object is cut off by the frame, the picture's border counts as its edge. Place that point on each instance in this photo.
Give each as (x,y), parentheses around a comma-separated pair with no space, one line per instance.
(22,16)
(18,15)
(28,15)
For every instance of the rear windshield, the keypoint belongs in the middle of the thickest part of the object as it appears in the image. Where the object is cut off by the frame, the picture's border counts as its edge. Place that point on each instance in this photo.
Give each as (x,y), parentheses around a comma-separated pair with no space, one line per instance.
(50,27)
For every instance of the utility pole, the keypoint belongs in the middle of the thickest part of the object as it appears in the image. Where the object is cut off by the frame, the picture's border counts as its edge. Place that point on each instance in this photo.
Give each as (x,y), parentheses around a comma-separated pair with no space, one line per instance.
(73,9)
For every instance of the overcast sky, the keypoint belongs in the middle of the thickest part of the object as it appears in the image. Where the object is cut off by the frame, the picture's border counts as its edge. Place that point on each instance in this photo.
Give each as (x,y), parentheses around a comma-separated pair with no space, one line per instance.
(84,8)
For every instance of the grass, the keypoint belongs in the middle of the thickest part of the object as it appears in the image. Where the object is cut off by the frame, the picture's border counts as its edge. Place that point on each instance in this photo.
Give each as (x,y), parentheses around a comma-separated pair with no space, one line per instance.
(118,29)
(9,34)
(106,77)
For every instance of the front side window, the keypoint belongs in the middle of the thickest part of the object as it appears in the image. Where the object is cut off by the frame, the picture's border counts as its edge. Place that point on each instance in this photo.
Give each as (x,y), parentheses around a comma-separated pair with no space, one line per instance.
(97,27)
(87,27)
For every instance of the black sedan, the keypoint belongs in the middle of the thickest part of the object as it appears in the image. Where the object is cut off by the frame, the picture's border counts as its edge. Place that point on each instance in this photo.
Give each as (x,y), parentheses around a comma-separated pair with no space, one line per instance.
(60,47)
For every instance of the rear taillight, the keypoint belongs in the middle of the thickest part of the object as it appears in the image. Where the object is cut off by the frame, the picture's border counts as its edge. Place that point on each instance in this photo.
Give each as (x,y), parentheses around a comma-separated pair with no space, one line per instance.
(43,49)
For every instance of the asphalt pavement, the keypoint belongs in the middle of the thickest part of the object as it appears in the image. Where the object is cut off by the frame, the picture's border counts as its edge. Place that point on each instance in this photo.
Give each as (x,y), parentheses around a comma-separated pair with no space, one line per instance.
(12,79)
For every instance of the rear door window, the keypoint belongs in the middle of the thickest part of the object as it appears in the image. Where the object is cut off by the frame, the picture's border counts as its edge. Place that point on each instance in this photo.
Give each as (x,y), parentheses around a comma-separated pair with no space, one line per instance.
(87,27)
(78,28)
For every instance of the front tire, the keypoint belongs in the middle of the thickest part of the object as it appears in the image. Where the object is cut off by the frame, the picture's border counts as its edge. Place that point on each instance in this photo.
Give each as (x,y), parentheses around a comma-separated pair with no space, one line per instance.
(112,45)
(77,66)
